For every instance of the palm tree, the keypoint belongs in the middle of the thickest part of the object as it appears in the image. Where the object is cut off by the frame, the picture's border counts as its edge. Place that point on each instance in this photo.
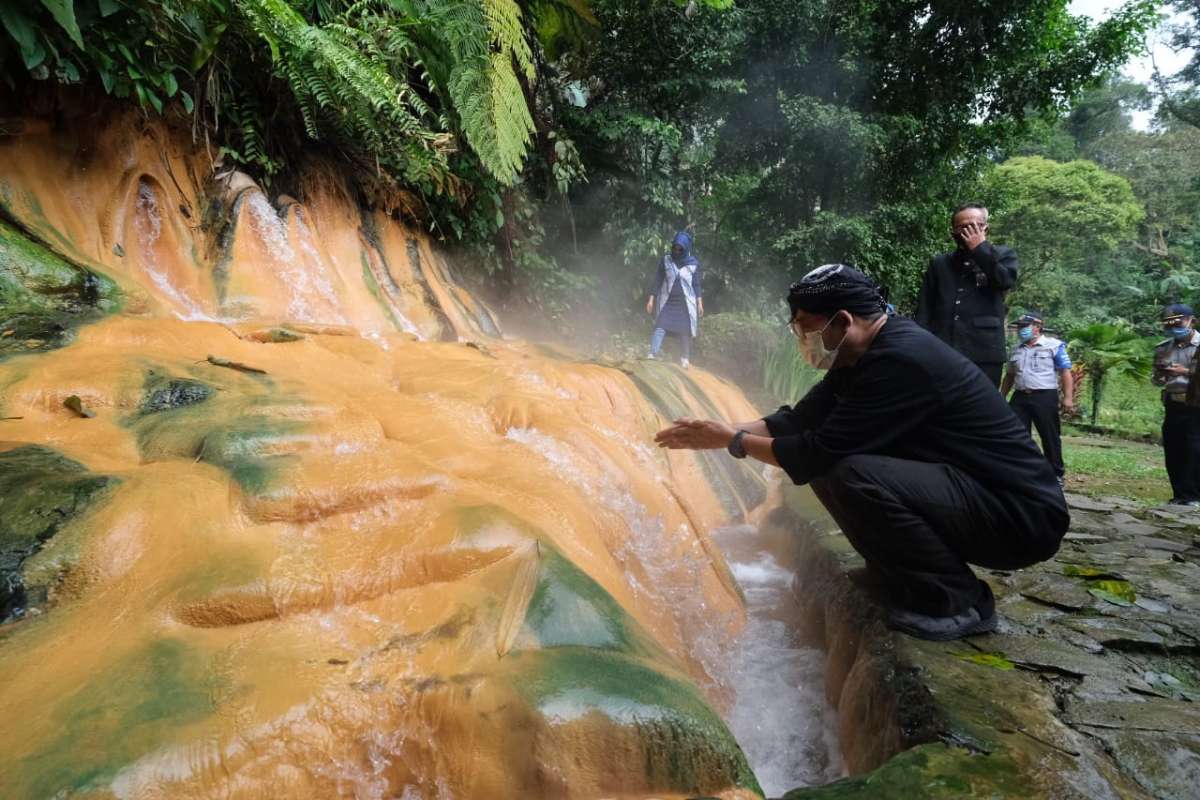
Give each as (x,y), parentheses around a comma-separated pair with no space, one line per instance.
(1102,350)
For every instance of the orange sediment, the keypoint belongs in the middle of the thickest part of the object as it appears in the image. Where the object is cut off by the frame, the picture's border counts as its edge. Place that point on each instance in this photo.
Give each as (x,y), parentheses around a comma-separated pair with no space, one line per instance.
(387,565)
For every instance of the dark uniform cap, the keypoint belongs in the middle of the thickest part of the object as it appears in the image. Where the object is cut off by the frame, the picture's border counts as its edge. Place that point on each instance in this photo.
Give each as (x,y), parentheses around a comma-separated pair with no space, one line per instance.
(1030,317)
(1176,312)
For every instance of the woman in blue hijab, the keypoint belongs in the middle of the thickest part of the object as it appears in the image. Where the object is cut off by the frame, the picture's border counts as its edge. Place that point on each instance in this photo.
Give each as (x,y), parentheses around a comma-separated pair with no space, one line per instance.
(675,298)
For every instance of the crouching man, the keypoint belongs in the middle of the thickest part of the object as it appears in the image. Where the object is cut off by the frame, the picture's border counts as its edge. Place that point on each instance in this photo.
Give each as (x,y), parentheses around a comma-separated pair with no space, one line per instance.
(913,452)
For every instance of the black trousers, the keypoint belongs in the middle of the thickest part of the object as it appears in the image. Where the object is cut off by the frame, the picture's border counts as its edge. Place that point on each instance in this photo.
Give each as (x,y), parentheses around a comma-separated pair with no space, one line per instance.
(993,370)
(1181,448)
(918,525)
(1039,409)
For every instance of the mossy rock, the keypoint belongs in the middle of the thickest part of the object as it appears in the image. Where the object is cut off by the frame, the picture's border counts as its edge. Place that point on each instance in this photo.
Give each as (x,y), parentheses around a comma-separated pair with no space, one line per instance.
(685,745)
(163,393)
(929,772)
(226,420)
(43,298)
(40,492)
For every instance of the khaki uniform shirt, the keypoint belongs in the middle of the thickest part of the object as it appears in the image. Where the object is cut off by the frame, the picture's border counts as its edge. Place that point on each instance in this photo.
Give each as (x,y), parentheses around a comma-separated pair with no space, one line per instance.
(1175,352)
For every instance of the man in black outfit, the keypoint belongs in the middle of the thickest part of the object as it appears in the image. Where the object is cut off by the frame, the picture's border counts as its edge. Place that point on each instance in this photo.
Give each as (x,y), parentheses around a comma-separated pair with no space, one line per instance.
(962,295)
(913,452)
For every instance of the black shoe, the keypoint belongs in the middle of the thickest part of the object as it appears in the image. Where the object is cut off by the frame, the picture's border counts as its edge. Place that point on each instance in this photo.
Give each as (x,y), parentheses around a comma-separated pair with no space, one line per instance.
(1183,501)
(941,629)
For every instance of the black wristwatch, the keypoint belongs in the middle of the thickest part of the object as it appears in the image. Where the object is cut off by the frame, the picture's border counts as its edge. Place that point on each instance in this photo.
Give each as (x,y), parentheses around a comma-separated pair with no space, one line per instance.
(736,448)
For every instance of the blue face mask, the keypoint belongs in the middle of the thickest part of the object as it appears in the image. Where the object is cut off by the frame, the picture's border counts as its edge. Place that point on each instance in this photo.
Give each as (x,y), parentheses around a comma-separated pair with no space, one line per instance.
(1025,334)
(1180,333)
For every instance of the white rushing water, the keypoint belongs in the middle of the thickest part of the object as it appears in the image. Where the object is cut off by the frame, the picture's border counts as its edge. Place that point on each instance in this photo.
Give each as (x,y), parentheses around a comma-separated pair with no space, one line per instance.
(779,715)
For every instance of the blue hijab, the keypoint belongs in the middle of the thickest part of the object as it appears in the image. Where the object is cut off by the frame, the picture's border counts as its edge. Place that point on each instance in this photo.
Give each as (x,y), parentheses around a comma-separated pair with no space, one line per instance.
(684,240)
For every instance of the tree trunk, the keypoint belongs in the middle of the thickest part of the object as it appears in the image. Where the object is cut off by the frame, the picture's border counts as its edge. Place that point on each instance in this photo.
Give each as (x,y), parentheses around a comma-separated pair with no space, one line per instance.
(1097,394)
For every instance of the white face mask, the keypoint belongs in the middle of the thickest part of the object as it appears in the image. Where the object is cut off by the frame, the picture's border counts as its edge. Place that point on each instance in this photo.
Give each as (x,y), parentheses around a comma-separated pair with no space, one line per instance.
(815,352)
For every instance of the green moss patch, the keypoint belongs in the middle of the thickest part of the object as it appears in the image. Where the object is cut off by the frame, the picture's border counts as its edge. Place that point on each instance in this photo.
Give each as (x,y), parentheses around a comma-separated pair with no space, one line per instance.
(227,426)
(687,746)
(125,712)
(40,492)
(929,772)
(43,298)
(569,608)
(163,393)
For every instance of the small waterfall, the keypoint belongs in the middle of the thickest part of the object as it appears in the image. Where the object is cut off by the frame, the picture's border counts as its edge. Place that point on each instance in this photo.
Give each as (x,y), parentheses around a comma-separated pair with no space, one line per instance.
(301,270)
(148,225)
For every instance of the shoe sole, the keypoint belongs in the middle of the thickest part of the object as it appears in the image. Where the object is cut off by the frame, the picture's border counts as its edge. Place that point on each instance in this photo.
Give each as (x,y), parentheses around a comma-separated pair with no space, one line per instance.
(983,626)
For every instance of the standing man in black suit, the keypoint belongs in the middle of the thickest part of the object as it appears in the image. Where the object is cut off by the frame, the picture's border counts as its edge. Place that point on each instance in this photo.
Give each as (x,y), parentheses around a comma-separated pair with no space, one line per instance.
(962,295)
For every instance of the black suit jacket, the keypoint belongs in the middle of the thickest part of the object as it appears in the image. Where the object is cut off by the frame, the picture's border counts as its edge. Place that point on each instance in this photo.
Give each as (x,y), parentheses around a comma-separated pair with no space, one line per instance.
(962,300)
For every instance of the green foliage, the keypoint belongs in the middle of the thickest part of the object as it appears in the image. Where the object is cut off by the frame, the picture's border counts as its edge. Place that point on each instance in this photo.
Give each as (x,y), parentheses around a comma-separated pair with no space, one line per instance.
(1102,351)
(1104,466)
(786,375)
(792,135)
(412,93)
(1067,222)
(1156,264)
(1180,92)
(788,134)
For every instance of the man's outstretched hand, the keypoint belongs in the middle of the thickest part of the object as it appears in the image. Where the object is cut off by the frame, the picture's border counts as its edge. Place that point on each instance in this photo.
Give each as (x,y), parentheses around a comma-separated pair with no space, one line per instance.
(696,434)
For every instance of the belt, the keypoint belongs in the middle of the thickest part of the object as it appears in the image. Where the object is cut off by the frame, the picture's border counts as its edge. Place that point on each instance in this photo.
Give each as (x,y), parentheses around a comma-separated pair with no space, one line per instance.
(1175,397)
(1035,391)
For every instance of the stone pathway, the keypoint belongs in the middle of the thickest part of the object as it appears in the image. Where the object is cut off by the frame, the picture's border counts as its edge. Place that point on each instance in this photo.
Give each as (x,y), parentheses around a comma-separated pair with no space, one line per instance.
(1111,628)
(1090,688)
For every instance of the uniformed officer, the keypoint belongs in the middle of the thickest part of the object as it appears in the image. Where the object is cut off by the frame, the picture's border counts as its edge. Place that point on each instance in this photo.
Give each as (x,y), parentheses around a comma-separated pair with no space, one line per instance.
(1174,365)
(1036,366)
(962,296)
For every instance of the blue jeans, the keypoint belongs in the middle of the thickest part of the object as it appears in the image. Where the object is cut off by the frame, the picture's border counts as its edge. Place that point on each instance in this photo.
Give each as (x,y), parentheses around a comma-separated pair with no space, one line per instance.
(685,343)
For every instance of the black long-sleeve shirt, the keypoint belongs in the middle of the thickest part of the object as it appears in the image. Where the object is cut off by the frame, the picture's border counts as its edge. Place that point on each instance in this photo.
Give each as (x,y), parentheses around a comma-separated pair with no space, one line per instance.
(962,300)
(911,396)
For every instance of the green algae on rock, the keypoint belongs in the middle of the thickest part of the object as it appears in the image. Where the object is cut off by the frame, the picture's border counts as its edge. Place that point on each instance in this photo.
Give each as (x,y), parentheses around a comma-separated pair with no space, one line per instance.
(929,772)
(685,744)
(40,492)
(44,298)
(120,715)
(164,393)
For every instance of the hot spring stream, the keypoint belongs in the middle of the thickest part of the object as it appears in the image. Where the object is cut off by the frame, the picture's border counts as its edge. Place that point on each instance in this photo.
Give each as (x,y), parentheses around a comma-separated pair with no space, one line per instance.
(320,530)
(780,715)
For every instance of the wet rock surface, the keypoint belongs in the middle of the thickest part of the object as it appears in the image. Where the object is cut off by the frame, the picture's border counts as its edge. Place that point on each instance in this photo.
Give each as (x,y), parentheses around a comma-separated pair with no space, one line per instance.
(1090,687)
(40,492)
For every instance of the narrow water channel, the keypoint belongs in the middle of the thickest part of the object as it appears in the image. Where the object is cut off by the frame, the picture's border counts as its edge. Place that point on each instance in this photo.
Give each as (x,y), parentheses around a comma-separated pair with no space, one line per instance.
(779,715)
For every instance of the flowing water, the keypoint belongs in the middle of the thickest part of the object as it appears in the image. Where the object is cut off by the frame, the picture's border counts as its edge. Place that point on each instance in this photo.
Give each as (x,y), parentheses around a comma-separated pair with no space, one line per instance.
(326,533)
(779,714)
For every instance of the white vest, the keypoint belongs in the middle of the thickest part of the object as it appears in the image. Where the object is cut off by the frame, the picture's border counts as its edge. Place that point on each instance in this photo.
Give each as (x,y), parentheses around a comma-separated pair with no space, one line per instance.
(673,273)
(1032,365)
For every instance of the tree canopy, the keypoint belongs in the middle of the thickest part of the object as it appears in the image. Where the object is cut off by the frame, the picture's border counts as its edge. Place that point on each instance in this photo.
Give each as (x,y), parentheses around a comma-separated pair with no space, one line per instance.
(559,143)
